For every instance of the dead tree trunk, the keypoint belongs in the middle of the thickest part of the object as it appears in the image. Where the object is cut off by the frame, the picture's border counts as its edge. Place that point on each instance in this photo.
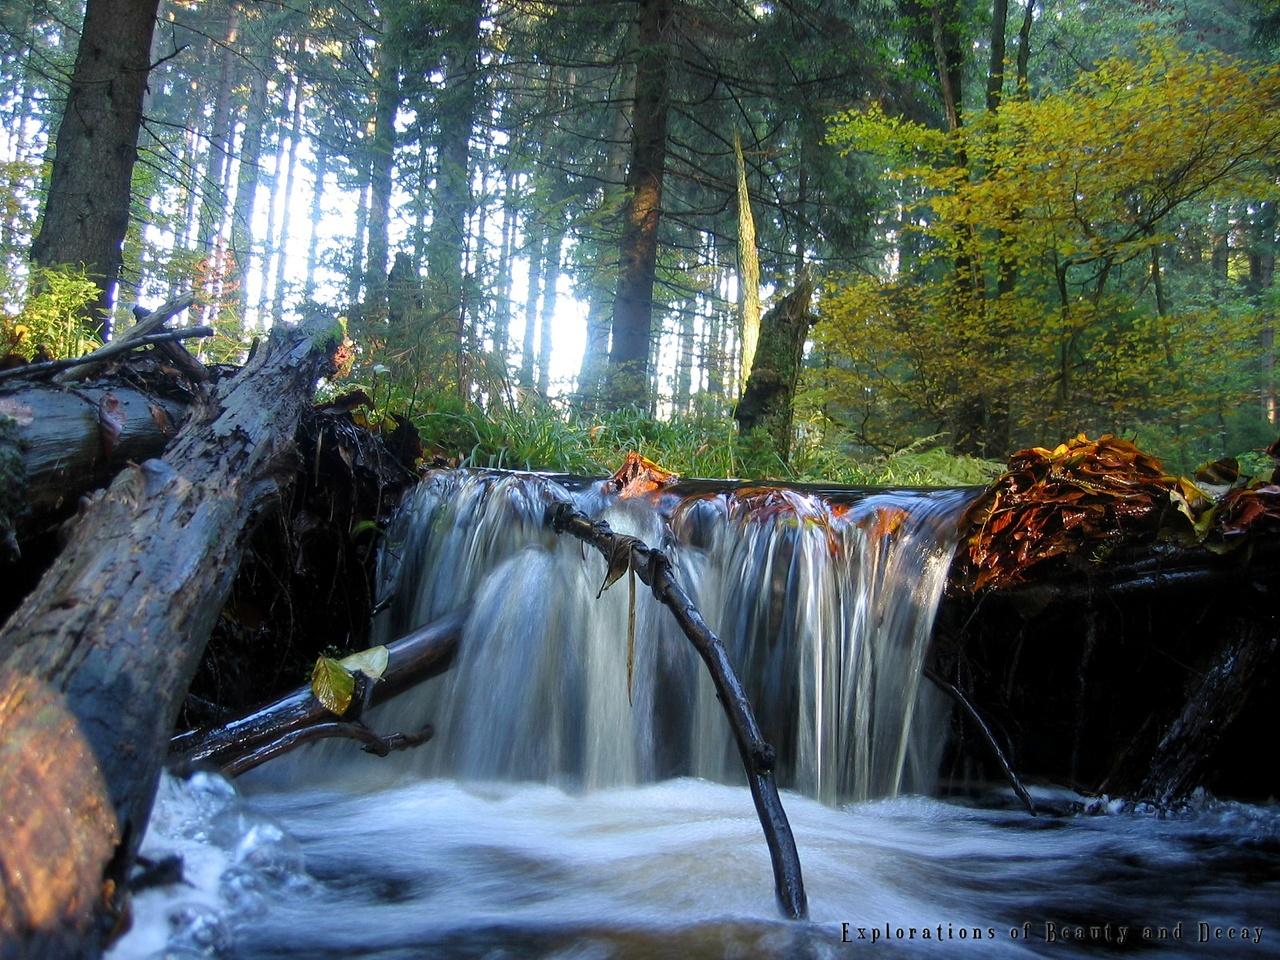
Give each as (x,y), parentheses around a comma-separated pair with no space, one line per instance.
(95,663)
(768,399)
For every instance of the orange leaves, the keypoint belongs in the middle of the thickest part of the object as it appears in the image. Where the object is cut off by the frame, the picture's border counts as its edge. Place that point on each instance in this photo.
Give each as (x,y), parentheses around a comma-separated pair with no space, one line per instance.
(639,476)
(1057,502)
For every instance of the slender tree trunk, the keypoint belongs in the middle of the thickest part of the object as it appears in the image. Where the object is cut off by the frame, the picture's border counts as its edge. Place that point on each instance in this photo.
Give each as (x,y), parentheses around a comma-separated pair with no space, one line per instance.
(995,70)
(286,211)
(247,182)
(638,251)
(313,229)
(502,309)
(273,205)
(595,357)
(455,117)
(1262,272)
(213,209)
(535,240)
(355,277)
(86,211)
(748,268)
(684,366)
(550,279)
(382,164)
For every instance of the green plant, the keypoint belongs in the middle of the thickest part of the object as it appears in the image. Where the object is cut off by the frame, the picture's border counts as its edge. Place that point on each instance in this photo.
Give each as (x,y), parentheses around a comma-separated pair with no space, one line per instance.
(51,322)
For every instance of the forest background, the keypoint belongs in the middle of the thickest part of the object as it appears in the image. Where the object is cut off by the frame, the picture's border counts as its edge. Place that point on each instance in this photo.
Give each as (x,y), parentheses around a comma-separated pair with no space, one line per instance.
(550,225)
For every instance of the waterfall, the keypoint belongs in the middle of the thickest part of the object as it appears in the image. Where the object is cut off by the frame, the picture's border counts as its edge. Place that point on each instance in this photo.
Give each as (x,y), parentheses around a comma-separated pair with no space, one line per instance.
(825,601)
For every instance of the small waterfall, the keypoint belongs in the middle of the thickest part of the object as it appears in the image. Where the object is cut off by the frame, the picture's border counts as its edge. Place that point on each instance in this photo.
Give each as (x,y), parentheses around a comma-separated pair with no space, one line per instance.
(824,602)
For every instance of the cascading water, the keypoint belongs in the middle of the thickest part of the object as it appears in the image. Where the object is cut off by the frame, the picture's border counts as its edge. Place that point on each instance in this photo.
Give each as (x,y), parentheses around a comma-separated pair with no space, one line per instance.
(825,608)
(550,818)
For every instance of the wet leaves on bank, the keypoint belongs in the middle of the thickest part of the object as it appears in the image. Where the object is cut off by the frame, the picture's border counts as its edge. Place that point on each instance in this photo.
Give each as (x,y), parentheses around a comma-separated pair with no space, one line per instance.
(1085,496)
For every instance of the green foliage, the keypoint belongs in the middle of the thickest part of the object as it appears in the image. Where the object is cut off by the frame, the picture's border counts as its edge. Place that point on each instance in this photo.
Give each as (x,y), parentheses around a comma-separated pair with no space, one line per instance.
(51,320)
(1041,301)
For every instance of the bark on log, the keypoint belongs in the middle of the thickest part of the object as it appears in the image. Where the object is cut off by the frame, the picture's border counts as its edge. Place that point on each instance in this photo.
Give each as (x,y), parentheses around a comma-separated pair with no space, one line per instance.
(94,664)
(1189,745)
(411,659)
(61,447)
(654,568)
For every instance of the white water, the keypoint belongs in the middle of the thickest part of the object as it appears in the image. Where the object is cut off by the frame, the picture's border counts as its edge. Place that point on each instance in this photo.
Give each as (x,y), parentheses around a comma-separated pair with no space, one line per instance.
(438,868)
(825,614)
(550,818)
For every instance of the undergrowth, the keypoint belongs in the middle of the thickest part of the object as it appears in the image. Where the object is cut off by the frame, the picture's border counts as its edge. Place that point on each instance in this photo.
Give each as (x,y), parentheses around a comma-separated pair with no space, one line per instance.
(535,434)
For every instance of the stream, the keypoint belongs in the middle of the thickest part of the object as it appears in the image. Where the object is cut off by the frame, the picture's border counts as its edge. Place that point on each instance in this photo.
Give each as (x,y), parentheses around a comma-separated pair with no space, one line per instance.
(581,802)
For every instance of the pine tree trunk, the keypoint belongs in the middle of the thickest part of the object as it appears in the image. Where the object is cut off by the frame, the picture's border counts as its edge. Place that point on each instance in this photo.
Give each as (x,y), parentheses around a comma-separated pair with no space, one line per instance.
(247,182)
(535,240)
(286,210)
(502,309)
(382,163)
(86,210)
(456,116)
(638,251)
(550,278)
(313,229)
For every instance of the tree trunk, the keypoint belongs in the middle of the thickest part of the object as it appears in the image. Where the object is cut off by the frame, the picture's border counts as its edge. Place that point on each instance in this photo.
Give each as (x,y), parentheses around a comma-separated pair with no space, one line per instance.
(286,211)
(535,240)
(550,278)
(382,163)
(595,357)
(213,209)
(247,182)
(313,229)
(456,115)
(771,388)
(638,251)
(95,663)
(86,211)
(748,268)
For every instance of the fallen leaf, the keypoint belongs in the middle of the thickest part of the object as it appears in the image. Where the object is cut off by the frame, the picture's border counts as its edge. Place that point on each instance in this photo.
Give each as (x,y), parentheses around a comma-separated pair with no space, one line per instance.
(333,685)
(111,418)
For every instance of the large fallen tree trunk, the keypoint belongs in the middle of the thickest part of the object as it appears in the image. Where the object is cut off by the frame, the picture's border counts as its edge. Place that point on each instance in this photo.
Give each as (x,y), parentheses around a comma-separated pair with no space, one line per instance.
(95,663)
(243,743)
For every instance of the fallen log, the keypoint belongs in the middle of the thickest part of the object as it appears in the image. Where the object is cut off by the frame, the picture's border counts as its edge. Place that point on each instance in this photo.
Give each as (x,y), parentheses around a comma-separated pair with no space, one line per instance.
(95,663)
(64,442)
(239,745)
(652,566)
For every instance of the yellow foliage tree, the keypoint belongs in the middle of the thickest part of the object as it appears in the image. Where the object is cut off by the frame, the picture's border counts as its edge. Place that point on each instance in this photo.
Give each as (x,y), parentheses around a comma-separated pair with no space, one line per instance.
(1040,297)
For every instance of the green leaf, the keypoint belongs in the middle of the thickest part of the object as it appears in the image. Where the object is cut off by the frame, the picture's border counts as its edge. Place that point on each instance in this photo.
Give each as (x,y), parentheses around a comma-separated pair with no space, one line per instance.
(332,685)
(372,662)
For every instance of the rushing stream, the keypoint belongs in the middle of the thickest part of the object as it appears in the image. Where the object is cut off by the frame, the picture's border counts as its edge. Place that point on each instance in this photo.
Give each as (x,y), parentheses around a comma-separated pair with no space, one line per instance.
(563,811)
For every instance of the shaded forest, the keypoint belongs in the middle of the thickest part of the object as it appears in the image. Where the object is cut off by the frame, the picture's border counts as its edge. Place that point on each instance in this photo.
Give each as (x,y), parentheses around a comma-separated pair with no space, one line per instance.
(1019,221)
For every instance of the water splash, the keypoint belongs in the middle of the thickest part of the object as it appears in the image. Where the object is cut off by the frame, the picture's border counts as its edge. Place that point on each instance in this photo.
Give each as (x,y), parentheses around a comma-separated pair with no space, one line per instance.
(825,606)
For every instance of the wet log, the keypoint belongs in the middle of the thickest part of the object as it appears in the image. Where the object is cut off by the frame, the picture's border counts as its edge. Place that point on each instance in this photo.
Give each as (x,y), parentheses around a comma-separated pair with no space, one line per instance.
(63,442)
(653,567)
(1188,748)
(245,742)
(95,663)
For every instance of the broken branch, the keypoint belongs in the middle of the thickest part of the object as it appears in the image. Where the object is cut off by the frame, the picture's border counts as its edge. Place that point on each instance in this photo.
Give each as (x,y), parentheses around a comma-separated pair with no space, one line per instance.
(758,757)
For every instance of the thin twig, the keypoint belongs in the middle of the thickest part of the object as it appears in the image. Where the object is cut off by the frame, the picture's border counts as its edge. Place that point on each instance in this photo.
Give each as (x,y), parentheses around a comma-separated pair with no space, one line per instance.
(958,696)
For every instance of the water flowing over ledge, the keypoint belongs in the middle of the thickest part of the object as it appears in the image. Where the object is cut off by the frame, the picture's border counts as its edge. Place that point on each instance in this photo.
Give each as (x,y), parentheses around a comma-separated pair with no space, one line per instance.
(825,605)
